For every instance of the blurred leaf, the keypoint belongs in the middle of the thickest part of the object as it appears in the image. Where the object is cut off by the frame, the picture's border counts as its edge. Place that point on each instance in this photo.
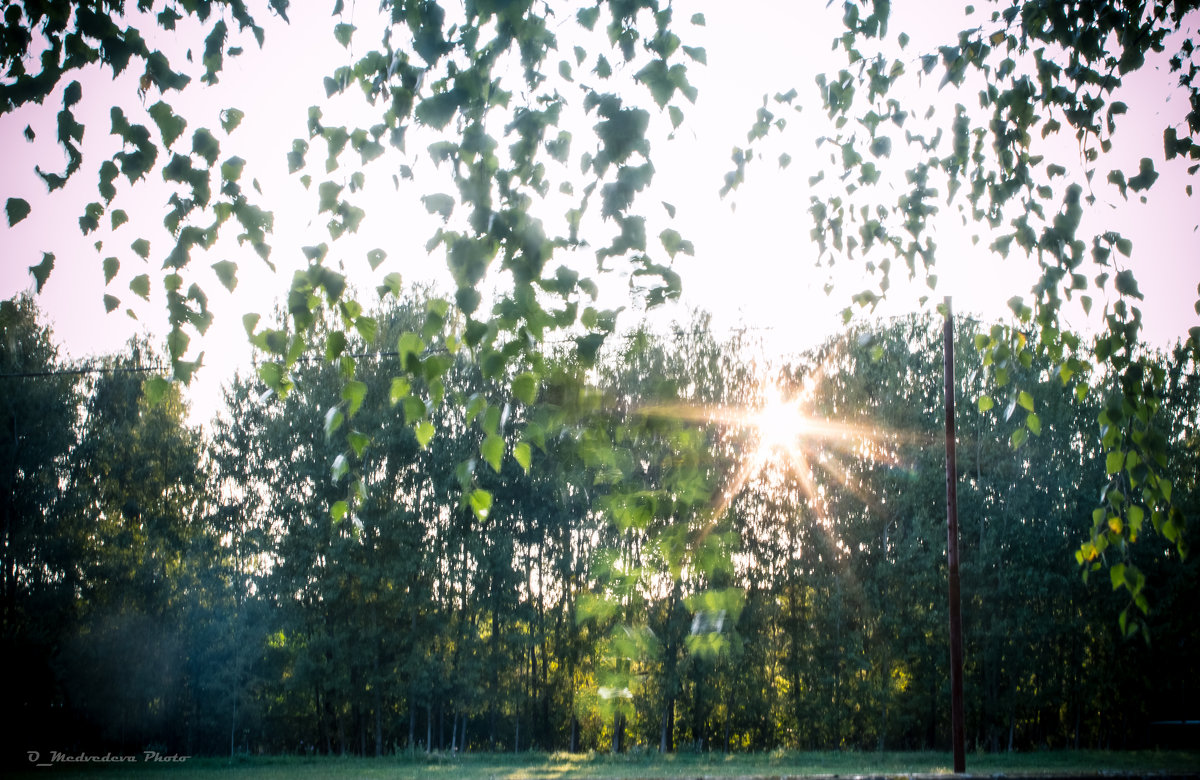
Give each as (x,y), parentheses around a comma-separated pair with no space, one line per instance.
(523,455)
(481,503)
(492,450)
(140,285)
(17,209)
(354,393)
(155,388)
(226,271)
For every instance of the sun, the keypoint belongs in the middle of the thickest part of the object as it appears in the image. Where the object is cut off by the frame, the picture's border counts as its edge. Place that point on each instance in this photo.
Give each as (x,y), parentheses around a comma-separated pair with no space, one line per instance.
(780,423)
(787,443)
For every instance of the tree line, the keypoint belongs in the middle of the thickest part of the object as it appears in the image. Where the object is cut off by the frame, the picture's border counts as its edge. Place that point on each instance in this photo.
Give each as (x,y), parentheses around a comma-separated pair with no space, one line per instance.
(642,571)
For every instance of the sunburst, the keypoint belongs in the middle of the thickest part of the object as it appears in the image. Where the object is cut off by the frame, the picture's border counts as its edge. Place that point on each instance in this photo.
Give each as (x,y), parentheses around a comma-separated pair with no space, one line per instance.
(790,442)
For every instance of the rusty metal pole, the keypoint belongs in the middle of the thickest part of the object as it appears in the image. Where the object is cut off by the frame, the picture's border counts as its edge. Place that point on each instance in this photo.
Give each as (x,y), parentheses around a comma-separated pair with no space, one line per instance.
(956,651)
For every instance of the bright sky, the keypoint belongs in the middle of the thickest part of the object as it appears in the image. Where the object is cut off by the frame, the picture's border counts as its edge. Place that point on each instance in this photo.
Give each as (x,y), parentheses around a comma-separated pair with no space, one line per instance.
(753,265)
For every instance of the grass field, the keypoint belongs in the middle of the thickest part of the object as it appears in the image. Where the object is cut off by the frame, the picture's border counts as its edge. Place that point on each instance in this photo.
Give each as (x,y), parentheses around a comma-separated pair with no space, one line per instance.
(563,766)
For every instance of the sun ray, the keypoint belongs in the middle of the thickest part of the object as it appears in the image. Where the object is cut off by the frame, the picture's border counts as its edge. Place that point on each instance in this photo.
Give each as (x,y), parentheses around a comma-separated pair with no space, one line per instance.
(787,443)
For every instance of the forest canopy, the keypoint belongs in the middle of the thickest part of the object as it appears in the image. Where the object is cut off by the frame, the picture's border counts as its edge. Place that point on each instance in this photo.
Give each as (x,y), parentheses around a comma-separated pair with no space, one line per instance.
(193,591)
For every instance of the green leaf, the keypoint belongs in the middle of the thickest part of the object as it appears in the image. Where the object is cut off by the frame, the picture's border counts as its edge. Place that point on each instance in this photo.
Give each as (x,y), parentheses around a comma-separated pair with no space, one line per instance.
(343,32)
(1034,424)
(437,110)
(226,271)
(111,302)
(409,345)
(391,283)
(206,146)
(1025,400)
(272,375)
(523,455)
(1146,176)
(335,345)
(375,257)
(424,431)
(698,20)
(367,327)
(354,393)
(476,404)
(111,265)
(492,450)
(338,511)
(231,118)
(91,218)
(358,442)
(588,16)
(340,468)
(1127,285)
(524,388)
(155,389)
(1137,516)
(140,285)
(985,403)
(414,409)
(119,217)
(1018,437)
(333,420)
(481,503)
(439,203)
(400,389)
(491,419)
(1114,462)
(17,209)
(141,248)
(1117,575)
(231,169)
(675,243)
(170,125)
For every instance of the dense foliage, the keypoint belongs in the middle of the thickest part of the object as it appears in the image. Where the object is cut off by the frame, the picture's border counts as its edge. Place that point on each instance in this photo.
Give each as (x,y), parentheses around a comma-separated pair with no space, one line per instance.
(194,592)
(488,95)
(1015,130)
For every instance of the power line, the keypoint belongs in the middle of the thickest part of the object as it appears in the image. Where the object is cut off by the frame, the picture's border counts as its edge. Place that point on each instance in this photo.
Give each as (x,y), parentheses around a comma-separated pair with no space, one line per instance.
(82,371)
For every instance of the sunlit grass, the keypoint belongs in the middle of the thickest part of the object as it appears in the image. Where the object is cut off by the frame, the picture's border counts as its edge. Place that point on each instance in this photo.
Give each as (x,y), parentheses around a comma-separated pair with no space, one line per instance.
(649,765)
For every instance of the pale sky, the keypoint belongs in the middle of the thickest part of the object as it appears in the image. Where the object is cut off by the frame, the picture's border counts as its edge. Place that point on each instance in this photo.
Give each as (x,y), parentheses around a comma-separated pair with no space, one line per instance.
(753,265)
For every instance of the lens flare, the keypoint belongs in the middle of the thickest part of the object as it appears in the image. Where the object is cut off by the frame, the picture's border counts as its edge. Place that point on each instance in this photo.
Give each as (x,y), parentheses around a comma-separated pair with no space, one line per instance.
(781,424)
(788,445)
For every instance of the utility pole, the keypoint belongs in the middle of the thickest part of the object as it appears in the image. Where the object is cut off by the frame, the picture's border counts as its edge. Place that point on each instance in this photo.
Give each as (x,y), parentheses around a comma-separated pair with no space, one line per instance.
(956,652)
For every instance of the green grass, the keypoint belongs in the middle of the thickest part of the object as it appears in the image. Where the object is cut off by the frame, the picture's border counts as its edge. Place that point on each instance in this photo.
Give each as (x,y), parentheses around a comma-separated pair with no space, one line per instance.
(563,766)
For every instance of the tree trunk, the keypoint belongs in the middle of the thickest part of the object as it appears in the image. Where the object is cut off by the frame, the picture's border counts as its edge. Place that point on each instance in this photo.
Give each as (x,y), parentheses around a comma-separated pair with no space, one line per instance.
(412,723)
(378,695)
(666,736)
